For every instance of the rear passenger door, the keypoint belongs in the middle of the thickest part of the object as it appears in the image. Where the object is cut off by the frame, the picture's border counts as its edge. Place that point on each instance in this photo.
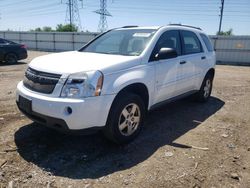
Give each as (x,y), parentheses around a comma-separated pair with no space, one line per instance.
(208,58)
(166,69)
(192,55)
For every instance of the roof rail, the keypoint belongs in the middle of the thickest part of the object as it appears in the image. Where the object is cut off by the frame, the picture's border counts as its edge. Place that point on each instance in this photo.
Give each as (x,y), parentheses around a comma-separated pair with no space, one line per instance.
(185,26)
(129,26)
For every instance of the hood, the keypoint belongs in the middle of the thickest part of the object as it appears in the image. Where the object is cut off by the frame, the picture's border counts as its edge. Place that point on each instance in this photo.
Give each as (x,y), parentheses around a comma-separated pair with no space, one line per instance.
(72,62)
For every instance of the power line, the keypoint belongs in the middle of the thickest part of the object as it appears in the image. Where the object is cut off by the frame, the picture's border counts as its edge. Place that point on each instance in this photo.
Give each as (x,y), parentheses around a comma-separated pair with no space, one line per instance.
(40,10)
(11,4)
(155,12)
(233,12)
(35,8)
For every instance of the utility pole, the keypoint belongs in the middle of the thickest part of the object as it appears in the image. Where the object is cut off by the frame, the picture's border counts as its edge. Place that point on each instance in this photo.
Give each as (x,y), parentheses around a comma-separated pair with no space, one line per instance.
(103,24)
(221,14)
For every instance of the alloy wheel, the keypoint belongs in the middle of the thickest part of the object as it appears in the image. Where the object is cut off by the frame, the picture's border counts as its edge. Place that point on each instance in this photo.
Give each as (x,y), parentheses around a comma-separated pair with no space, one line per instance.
(207,88)
(129,119)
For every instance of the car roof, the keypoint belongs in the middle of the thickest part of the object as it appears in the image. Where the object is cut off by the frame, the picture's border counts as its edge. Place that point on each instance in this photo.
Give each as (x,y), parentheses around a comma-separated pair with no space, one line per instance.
(177,26)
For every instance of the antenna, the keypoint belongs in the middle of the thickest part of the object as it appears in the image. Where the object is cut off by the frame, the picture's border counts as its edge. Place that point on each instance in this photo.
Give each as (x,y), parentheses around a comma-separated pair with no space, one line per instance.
(72,13)
(103,24)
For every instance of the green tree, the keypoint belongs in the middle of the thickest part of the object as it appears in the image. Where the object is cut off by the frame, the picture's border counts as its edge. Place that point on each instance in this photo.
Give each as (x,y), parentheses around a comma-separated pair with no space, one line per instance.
(38,29)
(47,29)
(66,28)
(226,33)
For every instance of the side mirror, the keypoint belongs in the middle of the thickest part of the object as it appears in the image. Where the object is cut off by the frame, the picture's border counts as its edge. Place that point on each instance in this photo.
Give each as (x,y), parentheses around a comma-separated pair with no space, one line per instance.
(166,53)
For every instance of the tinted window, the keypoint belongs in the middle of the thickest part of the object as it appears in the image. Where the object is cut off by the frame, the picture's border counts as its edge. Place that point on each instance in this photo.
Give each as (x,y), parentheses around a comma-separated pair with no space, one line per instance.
(207,42)
(169,39)
(191,43)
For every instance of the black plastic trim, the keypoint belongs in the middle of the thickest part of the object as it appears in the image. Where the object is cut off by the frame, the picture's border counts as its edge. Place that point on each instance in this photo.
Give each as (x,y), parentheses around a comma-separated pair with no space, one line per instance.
(39,81)
(130,26)
(157,105)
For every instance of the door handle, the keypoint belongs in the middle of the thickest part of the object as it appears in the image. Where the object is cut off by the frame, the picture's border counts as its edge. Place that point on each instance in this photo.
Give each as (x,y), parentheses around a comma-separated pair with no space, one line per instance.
(203,57)
(183,62)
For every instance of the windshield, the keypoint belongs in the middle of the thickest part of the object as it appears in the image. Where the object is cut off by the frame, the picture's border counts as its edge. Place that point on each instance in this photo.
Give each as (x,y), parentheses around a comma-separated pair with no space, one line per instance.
(130,42)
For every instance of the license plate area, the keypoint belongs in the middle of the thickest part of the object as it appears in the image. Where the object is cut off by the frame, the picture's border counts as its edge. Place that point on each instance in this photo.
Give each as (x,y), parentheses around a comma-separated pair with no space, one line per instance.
(25,104)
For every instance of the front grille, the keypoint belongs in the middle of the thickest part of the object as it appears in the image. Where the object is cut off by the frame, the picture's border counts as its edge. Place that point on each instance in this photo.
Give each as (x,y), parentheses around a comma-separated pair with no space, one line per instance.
(41,82)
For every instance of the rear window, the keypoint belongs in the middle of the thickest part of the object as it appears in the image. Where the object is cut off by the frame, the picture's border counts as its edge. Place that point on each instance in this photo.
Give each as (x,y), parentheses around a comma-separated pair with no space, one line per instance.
(207,42)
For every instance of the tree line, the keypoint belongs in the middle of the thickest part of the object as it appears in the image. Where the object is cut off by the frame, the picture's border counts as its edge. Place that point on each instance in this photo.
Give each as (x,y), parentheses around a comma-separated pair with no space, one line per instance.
(225,33)
(74,28)
(59,28)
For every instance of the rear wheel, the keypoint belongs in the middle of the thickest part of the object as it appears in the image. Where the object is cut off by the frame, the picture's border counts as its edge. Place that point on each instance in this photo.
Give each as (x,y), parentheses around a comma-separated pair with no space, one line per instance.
(206,89)
(10,58)
(125,118)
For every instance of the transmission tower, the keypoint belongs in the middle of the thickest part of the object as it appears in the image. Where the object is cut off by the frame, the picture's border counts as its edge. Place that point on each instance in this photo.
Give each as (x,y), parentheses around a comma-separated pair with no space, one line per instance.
(103,24)
(72,13)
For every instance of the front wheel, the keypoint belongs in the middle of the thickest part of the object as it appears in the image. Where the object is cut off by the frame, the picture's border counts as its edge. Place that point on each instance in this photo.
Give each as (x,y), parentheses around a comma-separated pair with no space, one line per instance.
(125,118)
(10,58)
(206,89)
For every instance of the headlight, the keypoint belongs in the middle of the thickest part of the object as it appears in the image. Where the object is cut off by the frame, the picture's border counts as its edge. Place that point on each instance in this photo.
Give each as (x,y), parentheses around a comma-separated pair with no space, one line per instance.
(83,84)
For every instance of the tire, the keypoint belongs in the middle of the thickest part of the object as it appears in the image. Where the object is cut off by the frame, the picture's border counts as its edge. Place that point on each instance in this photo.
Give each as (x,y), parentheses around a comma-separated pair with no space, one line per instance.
(125,118)
(206,88)
(10,58)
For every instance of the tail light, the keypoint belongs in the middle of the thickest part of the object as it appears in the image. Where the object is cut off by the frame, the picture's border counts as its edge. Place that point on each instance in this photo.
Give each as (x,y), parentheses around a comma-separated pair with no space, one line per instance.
(23,46)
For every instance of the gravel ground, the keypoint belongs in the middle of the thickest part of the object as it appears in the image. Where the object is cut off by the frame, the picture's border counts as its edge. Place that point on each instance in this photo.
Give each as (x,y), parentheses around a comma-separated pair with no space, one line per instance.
(183,144)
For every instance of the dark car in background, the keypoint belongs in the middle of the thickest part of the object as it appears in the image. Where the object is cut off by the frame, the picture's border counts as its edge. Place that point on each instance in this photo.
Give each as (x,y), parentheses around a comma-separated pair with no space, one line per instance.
(11,52)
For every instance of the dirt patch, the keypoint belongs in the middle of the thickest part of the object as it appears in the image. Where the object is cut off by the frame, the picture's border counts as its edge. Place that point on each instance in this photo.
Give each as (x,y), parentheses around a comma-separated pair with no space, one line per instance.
(183,144)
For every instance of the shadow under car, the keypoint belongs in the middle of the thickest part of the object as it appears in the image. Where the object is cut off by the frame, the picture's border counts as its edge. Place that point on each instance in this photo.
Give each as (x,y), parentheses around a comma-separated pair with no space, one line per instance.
(93,156)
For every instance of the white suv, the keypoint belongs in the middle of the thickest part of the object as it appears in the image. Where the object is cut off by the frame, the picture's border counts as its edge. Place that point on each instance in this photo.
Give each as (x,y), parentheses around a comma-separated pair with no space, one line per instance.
(112,81)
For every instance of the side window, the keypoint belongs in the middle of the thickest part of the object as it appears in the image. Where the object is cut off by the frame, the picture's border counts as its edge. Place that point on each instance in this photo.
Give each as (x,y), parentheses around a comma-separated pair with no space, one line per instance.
(169,39)
(207,42)
(191,43)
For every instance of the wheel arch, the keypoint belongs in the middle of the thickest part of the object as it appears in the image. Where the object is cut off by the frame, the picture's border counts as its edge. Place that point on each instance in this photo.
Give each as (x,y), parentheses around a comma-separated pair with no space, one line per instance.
(11,52)
(211,72)
(137,88)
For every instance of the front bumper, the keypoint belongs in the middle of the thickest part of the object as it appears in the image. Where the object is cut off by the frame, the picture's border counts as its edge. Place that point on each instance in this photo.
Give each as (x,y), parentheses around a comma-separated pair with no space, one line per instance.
(52,111)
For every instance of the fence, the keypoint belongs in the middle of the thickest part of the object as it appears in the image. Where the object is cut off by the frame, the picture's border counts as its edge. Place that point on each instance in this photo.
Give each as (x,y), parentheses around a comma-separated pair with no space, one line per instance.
(229,49)
(50,41)
(232,49)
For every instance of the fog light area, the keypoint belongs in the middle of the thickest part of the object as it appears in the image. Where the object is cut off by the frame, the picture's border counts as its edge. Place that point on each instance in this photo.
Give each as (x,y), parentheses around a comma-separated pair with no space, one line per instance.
(68,110)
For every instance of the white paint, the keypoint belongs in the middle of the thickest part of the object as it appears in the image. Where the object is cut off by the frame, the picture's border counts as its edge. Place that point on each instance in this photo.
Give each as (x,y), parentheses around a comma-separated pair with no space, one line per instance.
(164,79)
